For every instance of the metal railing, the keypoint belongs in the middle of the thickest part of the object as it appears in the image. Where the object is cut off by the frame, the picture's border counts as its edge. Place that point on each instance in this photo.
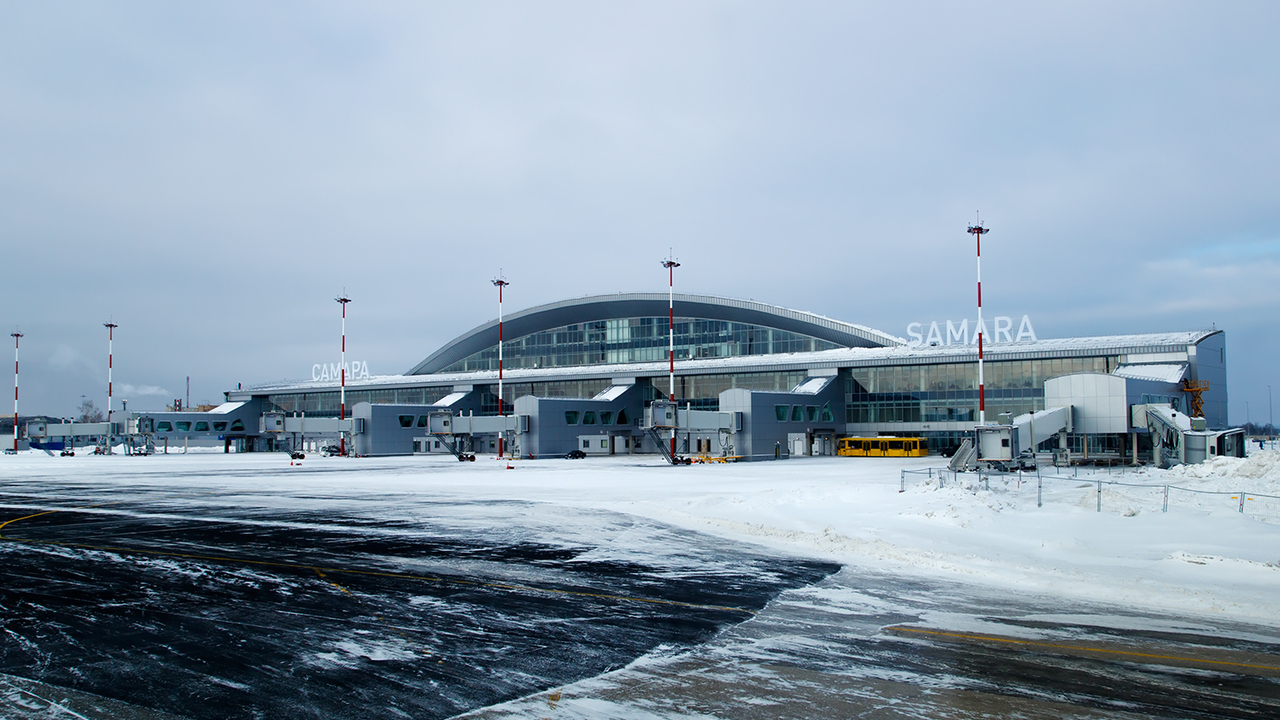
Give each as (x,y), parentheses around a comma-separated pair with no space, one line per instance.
(1092,476)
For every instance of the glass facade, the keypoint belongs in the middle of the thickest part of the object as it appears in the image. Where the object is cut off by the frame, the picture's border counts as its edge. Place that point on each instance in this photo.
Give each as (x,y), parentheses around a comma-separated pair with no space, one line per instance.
(564,388)
(702,392)
(644,339)
(325,403)
(949,392)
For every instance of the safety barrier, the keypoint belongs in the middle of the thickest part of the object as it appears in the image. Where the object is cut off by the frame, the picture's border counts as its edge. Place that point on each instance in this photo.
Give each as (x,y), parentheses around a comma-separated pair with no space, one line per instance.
(1091,476)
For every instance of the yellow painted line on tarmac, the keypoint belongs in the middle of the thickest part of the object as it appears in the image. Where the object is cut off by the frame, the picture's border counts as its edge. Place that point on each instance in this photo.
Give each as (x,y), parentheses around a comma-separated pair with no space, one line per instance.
(28,517)
(368,573)
(330,582)
(1080,648)
(51,512)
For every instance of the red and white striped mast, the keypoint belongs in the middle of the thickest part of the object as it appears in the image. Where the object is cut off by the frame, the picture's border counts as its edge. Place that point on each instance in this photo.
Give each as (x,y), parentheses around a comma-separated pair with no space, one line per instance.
(977,231)
(16,337)
(342,369)
(111,332)
(670,264)
(500,283)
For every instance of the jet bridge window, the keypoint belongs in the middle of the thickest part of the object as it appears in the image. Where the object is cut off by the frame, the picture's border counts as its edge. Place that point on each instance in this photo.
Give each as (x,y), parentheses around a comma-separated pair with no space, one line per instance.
(237,426)
(164,426)
(202,426)
(219,427)
(184,425)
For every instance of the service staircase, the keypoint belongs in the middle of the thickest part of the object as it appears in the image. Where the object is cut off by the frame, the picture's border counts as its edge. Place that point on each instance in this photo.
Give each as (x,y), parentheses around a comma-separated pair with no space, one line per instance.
(664,446)
(454,445)
(964,457)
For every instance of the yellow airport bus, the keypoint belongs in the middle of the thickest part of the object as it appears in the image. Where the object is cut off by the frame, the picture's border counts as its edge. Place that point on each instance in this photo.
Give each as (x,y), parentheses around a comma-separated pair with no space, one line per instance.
(883,447)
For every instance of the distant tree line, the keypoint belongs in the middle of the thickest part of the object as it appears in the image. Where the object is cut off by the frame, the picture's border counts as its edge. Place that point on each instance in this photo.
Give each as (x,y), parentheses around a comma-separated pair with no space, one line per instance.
(1251,428)
(86,413)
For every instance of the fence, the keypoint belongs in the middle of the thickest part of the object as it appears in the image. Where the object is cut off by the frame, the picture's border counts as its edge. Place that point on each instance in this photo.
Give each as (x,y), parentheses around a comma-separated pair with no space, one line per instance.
(1093,476)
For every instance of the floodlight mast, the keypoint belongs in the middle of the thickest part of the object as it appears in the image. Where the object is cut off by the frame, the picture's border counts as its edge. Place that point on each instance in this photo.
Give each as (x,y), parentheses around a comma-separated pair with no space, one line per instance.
(500,283)
(16,337)
(111,331)
(977,231)
(342,368)
(670,264)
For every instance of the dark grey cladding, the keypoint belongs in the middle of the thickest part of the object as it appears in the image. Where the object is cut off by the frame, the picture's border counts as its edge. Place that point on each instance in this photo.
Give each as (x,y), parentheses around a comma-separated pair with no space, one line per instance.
(629,305)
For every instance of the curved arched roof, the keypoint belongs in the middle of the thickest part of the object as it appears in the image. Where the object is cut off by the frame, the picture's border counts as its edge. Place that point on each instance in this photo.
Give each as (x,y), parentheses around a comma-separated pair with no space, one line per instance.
(628,305)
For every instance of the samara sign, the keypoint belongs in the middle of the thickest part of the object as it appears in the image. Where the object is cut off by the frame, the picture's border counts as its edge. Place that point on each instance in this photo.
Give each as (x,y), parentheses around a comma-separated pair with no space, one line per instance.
(356,370)
(959,333)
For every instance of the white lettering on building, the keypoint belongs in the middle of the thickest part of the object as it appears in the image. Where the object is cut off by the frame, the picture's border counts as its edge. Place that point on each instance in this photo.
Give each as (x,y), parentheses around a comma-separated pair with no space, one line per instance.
(959,333)
(325,372)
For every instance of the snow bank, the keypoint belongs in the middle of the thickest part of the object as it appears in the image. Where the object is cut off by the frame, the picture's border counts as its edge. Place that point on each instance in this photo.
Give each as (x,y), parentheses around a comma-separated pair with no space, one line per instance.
(1261,465)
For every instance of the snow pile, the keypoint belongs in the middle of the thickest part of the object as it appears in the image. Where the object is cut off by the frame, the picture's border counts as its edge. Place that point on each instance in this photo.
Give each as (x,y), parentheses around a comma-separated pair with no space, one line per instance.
(1258,473)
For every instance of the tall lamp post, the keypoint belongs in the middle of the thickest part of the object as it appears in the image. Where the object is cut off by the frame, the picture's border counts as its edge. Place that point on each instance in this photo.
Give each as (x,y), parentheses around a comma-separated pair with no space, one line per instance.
(111,331)
(16,337)
(977,231)
(342,369)
(500,283)
(670,264)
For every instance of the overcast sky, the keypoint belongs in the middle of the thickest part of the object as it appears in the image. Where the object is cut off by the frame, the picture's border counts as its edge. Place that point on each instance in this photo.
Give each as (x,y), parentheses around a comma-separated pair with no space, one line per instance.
(210,176)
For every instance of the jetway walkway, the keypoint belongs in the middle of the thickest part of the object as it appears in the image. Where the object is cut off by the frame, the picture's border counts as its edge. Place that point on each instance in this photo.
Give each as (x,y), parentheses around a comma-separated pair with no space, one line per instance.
(664,417)
(455,432)
(1177,438)
(1005,443)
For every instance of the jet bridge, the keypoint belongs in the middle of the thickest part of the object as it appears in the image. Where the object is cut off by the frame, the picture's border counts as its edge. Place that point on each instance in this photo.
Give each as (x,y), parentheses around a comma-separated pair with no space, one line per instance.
(1177,438)
(456,432)
(1003,443)
(663,417)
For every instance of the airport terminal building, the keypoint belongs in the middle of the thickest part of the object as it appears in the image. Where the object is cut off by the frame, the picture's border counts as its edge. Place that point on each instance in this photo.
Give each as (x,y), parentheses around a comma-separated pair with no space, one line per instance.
(588,368)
